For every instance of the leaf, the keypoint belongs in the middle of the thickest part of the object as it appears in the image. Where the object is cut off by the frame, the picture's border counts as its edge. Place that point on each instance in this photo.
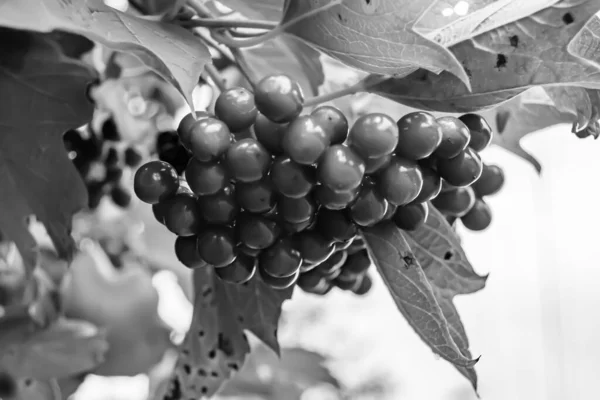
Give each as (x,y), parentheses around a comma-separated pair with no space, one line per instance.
(173,52)
(411,290)
(65,348)
(44,96)
(374,36)
(504,62)
(270,10)
(32,389)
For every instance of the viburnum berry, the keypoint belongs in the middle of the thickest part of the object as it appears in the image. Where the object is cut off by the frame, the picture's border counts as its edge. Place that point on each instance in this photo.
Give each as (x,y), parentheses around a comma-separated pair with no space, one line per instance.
(269,134)
(456,203)
(120,196)
(206,178)
(455,137)
(348,282)
(374,165)
(432,185)
(313,247)
(313,282)
(186,251)
(243,249)
(278,283)
(132,157)
(479,216)
(257,231)
(341,169)
(209,139)
(401,181)
(390,212)
(292,179)
(333,264)
(335,225)
(290,227)
(185,126)
(219,208)
(480,130)
(419,135)
(176,155)
(373,136)
(356,245)
(446,187)
(369,207)
(236,108)
(216,245)
(333,122)
(248,160)
(365,286)
(490,182)
(155,181)
(256,197)
(279,98)
(304,140)
(281,260)
(298,210)
(335,200)
(345,245)
(357,263)
(461,170)
(182,216)
(241,270)
(411,216)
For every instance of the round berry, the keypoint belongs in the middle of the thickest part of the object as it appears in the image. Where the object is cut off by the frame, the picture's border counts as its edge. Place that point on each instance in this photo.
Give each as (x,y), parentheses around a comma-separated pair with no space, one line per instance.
(292,179)
(335,225)
(278,283)
(120,196)
(185,125)
(206,178)
(313,247)
(461,170)
(432,185)
(374,165)
(455,137)
(257,231)
(242,248)
(341,169)
(411,216)
(158,210)
(298,210)
(446,187)
(335,200)
(373,136)
(279,98)
(182,216)
(348,282)
(479,217)
(155,181)
(304,140)
(216,246)
(420,134)
(401,181)
(369,207)
(248,160)
(333,122)
(490,182)
(365,286)
(132,157)
(256,197)
(357,263)
(269,134)
(481,132)
(313,282)
(391,210)
(456,203)
(186,251)
(290,227)
(356,245)
(209,139)
(281,259)
(333,264)
(236,108)
(241,270)
(219,208)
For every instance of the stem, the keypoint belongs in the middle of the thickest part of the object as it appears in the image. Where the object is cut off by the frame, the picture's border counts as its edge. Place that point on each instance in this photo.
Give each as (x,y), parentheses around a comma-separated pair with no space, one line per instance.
(313,101)
(244,67)
(228,23)
(200,8)
(214,75)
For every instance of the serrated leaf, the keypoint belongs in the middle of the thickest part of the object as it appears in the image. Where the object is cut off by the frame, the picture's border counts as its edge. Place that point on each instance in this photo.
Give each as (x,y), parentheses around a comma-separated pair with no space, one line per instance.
(65,348)
(270,10)
(173,52)
(44,96)
(374,36)
(504,62)
(411,290)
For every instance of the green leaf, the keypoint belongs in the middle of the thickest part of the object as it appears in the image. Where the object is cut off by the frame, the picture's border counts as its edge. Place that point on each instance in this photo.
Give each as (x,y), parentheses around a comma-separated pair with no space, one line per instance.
(33,389)
(411,290)
(173,52)
(44,95)
(374,36)
(504,62)
(270,10)
(65,348)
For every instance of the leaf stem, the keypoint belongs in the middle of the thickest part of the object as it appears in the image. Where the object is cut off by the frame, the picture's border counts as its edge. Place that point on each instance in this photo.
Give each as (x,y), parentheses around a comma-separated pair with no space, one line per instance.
(215,76)
(244,67)
(228,23)
(360,86)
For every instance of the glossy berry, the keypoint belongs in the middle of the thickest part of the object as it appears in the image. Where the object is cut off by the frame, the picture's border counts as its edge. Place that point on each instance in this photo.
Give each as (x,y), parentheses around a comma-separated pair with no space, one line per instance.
(8,386)
(481,132)
(304,140)
(411,216)
(113,174)
(373,136)
(256,197)
(279,98)
(335,200)
(158,210)
(216,245)
(401,181)
(432,185)
(257,231)
(209,139)
(290,227)
(333,122)
(155,181)
(236,108)
(281,259)
(341,169)
(446,187)
(185,125)
(186,251)
(461,170)
(298,210)
(335,225)
(278,283)
(419,135)
(356,245)
(490,182)
(455,137)
(374,165)
(243,249)
(348,281)
(390,212)
(313,282)
(269,134)
(369,207)
(220,208)
(182,216)
(132,157)
(479,217)
(313,247)
(365,286)
(292,179)
(332,264)
(241,270)
(248,160)
(357,263)
(120,196)
(206,178)
(456,203)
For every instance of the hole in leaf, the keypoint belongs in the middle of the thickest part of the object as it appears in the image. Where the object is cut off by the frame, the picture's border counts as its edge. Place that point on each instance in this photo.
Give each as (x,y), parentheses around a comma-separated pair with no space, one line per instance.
(212,354)
(204,390)
(240,319)
(200,333)
(214,374)
(207,292)
(514,41)
(225,345)
(568,18)
(187,369)
(28,382)
(449,254)
(501,61)
(233,366)
(202,372)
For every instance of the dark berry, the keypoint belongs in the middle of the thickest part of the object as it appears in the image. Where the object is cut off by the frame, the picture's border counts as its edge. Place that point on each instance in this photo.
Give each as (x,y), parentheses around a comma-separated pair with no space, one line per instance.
(347,281)
(185,125)
(333,122)
(216,245)
(332,264)
(182,216)
(236,108)
(132,157)
(241,270)
(206,178)
(166,138)
(8,386)
(335,225)
(110,132)
(490,182)
(279,98)
(341,169)
(176,155)
(481,132)
(292,179)
(479,216)
(432,185)
(113,174)
(209,139)
(278,283)
(269,134)
(401,181)
(220,208)
(391,210)
(420,134)
(446,187)
(369,207)
(455,137)
(291,228)
(357,263)
(281,259)
(374,165)
(159,210)
(248,160)
(335,200)
(304,140)
(257,231)
(120,196)
(313,282)
(373,136)
(356,245)
(411,216)
(365,286)
(256,197)
(456,203)
(298,210)
(155,181)
(186,250)
(112,157)
(96,191)
(313,247)
(461,170)
(242,248)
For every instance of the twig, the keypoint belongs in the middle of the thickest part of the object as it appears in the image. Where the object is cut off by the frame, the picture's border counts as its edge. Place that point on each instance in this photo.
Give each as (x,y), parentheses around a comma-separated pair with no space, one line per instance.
(228,23)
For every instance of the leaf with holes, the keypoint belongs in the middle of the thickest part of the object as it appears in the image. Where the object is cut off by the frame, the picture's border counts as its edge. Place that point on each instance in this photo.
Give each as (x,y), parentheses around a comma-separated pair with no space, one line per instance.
(173,52)
(47,97)
(504,62)
(32,389)
(374,36)
(411,290)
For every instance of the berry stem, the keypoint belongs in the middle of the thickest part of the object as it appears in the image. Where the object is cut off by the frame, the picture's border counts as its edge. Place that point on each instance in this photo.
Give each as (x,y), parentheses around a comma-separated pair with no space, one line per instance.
(228,23)
(216,77)
(360,86)
(244,67)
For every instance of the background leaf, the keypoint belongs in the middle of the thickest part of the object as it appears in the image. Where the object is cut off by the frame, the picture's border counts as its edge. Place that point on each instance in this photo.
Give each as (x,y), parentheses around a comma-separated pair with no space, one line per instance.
(271,10)
(32,389)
